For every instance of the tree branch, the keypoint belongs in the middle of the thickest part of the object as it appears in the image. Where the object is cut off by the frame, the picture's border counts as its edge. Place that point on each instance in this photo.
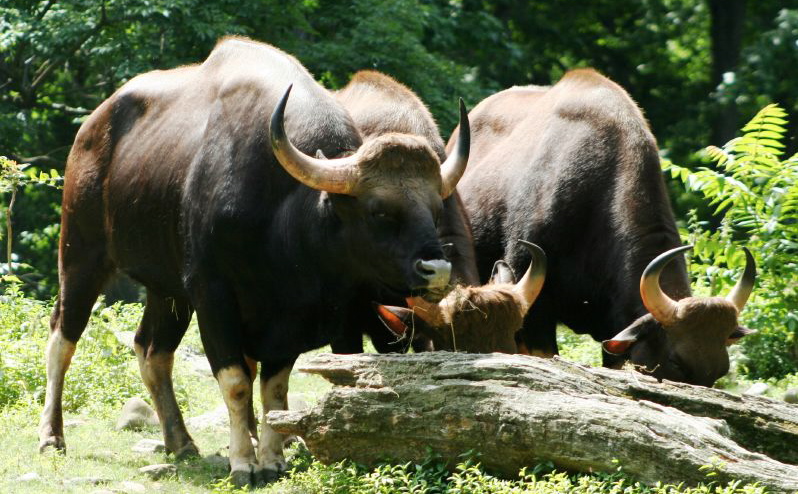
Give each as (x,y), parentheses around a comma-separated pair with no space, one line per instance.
(517,411)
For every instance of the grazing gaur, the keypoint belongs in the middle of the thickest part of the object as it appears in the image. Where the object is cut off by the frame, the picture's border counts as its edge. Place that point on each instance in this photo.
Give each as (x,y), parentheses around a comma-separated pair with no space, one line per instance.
(182,181)
(380,105)
(575,167)
(475,319)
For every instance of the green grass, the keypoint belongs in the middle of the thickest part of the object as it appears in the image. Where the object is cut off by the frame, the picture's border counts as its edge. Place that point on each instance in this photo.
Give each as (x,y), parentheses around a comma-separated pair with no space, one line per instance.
(105,374)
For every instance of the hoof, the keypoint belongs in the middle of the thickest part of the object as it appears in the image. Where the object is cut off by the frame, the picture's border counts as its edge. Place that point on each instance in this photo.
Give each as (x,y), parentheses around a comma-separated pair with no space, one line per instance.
(53,442)
(243,476)
(254,476)
(186,452)
(266,476)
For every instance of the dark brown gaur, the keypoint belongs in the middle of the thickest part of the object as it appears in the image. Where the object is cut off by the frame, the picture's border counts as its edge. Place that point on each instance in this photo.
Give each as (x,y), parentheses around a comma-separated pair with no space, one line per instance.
(182,181)
(480,319)
(684,339)
(576,167)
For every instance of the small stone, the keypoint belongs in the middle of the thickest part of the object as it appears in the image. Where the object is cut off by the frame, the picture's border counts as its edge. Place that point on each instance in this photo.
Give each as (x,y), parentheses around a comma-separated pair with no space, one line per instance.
(126,338)
(297,401)
(87,480)
(199,364)
(217,461)
(73,423)
(136,414)
(217,418)
(156,472)
(757,389)
(292,439)
(130,487)
(791,396)
(27,477)
(149,446)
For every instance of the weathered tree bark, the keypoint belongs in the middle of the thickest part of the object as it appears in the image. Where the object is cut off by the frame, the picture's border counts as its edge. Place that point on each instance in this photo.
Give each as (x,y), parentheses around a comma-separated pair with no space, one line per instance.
(518,411)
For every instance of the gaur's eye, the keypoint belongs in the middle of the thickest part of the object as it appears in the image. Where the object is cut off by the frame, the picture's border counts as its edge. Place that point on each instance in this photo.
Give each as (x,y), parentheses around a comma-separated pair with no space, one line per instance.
(677,370)
(383,216)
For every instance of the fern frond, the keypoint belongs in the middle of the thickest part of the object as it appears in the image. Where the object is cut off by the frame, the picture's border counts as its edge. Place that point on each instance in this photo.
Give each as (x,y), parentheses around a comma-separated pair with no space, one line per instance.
(718,155)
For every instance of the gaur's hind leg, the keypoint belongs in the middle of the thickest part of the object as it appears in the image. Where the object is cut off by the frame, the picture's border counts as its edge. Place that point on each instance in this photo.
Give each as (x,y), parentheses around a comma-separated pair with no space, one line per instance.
(162,327)
(274,396)
(251,420)
(82,270)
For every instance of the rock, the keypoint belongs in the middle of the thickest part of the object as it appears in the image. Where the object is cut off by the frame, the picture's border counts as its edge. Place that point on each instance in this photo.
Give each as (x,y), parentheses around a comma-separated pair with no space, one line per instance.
(217,418)
(87,480)
(73,423)
(198,364)
(291,439)
(27,477)
(126,338)
(156,472)
(130,487)
(136,414)
(757,389)
(298,401)
(217,461)
(791,396)
(149,446)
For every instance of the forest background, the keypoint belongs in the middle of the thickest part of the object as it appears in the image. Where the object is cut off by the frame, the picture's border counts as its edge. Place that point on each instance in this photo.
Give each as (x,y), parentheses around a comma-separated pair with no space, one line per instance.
(699,69)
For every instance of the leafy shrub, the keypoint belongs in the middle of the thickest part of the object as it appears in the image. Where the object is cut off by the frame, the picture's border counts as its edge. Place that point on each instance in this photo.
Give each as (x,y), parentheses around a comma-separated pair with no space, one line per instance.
(104,372)
(755,193)
(432,476)
(36,246)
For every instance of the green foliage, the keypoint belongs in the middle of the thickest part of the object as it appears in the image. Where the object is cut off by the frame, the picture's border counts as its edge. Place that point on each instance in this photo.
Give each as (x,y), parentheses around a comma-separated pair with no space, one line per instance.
(104,373)
(59,60)
(579,348)
(13,176)
(755,193)
(468,477)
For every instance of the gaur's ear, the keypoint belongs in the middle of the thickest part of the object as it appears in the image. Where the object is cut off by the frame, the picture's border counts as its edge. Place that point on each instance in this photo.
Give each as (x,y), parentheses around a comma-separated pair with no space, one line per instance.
(622,342)
(396,319)
(320,155)
(502,273)
(739,333)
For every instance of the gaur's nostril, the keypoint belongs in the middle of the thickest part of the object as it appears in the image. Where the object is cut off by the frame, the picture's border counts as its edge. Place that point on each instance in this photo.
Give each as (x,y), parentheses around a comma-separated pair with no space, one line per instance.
(424,268)
(436,272)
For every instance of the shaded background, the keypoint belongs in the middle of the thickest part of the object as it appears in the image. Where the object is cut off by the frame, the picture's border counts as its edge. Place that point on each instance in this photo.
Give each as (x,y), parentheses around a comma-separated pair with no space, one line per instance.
(698,68)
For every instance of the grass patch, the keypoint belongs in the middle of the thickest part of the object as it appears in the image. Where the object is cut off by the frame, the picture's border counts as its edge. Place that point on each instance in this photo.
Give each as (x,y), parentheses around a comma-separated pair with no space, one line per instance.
(105,373)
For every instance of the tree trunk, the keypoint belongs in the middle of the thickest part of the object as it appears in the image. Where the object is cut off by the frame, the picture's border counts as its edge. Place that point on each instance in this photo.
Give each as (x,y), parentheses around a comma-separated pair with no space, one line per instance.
(517,411)
(726,31)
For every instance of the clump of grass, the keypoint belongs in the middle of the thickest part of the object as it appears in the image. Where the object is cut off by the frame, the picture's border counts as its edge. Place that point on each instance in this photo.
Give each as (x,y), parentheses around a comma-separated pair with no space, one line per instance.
(468,477)
(104,372)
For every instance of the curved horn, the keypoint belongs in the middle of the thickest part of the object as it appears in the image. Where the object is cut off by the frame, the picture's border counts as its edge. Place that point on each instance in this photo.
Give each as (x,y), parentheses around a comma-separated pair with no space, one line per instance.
(338,176)
(745,285)
(454,166)
(661,306)
(531,283)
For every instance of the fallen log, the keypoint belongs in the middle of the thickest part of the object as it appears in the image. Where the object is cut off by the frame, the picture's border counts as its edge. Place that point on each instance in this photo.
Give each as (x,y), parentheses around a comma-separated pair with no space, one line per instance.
(518,411)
